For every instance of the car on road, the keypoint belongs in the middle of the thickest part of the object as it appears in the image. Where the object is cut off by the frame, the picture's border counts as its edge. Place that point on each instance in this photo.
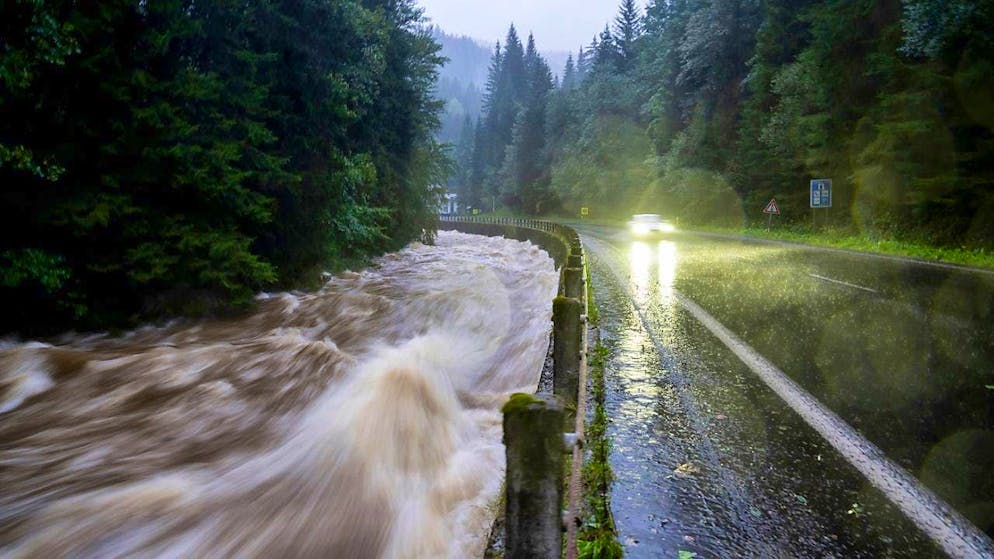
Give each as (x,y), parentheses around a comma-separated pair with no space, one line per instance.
(649,224)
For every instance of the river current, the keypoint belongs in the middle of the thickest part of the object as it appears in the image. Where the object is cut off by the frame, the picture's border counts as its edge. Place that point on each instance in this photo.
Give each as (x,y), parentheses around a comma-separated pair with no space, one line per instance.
(361,420)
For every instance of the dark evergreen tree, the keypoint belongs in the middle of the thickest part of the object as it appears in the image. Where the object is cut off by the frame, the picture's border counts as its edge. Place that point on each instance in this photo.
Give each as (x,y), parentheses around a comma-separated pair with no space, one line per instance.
(569,80)
(606,58)
(627,30)
(582,65)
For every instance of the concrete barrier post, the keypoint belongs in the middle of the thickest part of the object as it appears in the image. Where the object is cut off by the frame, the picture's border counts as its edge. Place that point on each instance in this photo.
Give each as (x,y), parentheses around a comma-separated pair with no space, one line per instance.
(566,351)
(575,261)
(573,282)
(533,442)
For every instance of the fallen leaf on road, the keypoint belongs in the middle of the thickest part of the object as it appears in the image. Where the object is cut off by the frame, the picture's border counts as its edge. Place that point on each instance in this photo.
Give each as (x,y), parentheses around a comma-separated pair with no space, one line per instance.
(684,554)
(721,417)
(686,469)
(689,539)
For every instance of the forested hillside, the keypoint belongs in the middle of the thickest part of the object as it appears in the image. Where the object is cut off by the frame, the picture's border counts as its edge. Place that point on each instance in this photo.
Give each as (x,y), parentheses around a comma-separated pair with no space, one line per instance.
(460,81)
(176,156)
(704,110)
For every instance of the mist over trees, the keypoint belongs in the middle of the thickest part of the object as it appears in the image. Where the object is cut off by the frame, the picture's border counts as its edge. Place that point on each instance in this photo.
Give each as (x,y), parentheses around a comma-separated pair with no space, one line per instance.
(460,82)
(704,110)
(177,156)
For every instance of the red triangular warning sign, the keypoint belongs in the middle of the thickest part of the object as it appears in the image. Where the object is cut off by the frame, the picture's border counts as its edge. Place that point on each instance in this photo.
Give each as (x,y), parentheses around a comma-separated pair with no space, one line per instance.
(772,208)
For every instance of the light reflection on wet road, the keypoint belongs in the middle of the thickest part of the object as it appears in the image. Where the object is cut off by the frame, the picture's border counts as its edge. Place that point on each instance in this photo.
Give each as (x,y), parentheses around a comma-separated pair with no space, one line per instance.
(902,353)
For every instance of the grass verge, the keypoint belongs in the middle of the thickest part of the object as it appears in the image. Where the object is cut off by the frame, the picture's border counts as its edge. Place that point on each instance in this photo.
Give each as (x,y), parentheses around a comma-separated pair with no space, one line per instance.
(597,537)
(847,239)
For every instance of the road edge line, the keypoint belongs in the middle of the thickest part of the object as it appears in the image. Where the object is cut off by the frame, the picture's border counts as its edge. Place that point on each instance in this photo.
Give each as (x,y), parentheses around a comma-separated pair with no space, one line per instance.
(845,283)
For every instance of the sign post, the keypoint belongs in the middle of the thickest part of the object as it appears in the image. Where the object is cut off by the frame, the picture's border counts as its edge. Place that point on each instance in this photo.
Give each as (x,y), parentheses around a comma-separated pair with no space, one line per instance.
(770,209)
(821,196)
(584,211)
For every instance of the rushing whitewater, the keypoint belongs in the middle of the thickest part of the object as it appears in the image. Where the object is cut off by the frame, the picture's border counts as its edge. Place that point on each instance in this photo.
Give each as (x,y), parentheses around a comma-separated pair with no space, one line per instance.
(359,421)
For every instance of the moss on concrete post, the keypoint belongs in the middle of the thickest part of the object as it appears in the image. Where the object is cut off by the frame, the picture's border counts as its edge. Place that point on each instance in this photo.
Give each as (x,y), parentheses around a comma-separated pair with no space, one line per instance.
(533,442)
(573,282)
(566,351)
(574,261)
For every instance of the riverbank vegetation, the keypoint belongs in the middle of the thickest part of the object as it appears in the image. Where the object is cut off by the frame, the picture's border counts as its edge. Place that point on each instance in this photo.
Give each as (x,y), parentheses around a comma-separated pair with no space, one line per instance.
(178,157)
(704,111)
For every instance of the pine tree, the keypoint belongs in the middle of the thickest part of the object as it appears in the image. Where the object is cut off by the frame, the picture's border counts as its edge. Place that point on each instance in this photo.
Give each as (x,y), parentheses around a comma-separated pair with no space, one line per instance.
(627,30)
(606,59)
(569,80)
(582,65)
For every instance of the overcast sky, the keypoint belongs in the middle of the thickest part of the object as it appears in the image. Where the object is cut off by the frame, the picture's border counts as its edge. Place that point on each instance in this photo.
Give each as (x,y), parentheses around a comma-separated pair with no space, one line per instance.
(558,25)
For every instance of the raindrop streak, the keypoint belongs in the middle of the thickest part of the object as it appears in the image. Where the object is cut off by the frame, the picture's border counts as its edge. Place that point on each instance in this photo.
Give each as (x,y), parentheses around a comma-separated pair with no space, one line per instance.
(359,421)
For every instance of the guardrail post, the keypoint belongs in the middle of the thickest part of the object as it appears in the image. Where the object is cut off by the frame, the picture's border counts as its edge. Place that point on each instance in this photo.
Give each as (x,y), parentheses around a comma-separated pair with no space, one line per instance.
(566,335)
(573,282)
(533,442)
(575,261)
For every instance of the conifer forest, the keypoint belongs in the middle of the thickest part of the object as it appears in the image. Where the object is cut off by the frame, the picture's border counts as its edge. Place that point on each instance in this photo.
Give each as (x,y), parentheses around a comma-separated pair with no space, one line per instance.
(706,109)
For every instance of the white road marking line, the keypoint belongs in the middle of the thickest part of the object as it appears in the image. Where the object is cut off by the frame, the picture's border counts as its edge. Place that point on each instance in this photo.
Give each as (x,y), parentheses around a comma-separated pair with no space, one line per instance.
(846,283)
(943,524)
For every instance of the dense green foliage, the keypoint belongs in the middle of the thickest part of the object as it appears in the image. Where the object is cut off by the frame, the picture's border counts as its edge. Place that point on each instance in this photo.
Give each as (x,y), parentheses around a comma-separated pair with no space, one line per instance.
(178,156)
(706,109)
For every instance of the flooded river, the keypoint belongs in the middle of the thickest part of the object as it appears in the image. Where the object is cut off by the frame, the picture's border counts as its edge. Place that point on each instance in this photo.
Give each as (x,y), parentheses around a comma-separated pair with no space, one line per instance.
(358,421)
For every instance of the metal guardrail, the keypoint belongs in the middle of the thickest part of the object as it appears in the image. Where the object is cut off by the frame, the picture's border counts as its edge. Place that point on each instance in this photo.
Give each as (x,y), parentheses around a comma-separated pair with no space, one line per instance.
(533,424)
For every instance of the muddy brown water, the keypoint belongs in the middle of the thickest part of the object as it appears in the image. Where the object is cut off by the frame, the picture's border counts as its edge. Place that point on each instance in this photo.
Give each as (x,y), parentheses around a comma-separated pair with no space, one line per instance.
(358,421)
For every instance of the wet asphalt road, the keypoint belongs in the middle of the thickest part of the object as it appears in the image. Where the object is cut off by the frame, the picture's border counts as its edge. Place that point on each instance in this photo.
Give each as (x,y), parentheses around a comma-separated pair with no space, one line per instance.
(903,353)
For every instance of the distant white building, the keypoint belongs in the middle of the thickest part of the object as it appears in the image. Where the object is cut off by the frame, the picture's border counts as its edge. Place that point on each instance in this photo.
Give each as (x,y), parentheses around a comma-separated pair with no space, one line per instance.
(449,204)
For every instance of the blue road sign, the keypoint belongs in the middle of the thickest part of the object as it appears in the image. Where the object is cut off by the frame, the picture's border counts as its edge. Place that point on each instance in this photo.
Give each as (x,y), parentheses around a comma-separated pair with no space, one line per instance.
(821,193)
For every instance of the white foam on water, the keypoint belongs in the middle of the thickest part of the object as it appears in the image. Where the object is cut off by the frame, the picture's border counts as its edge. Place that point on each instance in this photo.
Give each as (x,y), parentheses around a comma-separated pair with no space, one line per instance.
(24,374)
